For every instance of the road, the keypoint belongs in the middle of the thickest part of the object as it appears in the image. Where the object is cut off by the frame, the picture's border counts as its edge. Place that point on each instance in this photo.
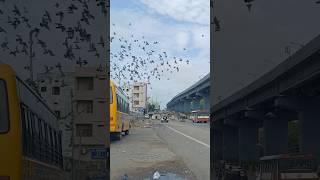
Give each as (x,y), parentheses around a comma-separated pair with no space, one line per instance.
(189,141)
(181,148)
(141,153)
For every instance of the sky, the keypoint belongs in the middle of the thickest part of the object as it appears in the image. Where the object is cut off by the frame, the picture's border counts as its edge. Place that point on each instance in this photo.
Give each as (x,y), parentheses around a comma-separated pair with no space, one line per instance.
(251,43)
(175,25)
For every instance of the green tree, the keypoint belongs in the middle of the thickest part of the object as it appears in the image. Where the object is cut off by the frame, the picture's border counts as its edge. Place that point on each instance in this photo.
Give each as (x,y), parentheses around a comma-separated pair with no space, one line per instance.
(151,107)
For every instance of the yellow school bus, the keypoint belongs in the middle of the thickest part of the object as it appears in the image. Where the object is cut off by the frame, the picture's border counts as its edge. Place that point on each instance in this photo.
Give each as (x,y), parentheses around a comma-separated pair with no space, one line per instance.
(119,112)
(30,141)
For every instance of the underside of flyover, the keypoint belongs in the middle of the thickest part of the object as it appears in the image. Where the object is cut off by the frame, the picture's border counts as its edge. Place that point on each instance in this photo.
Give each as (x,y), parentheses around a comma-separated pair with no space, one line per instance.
(290,92)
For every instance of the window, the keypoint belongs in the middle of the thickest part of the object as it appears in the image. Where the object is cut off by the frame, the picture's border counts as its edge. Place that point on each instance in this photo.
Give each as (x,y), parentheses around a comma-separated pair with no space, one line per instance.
(136,88)
(4,110)
(46,138)
(128,108)
(55,90)
(85,106)
(121,105)
(60,149)
(136,102)
(85,83)
(31,119)
(136,95)
(43,89)
(36,125)
(118,102)
(111,98)
(84,130)
(40,128)
(24,128)
(56,147)
(50,141)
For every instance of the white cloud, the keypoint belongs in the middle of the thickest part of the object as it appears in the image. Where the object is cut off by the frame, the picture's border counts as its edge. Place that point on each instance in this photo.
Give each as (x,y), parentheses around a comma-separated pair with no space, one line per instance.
(195,11)
(182,39)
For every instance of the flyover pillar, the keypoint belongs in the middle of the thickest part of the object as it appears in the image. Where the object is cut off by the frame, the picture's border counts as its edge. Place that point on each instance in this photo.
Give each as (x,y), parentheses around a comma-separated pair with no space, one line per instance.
(206,101)
(186,106)
(248,139)
(180,106)
(176,107)
(309,126)
(275,134)
(230,143)
(217,142)
(196,103)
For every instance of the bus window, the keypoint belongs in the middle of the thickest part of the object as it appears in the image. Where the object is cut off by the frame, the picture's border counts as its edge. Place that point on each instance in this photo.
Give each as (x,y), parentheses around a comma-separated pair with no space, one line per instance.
(55,147)
(24,128)
(36,125)
(40,129)
(4,110)
(118,102)
(51,145)
(111,97)
(122,105)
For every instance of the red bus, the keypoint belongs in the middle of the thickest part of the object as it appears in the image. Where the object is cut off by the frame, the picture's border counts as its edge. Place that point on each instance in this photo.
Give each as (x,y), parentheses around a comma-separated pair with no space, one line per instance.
(200,116)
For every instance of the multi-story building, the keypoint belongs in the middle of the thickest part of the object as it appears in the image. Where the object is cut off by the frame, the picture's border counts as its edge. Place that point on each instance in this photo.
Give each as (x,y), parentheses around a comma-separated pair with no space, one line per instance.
(139,97)
(91,138)
(56,88)
(80,102)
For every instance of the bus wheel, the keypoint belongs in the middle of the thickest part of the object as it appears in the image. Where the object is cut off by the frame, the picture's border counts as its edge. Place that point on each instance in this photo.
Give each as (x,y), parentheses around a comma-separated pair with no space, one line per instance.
(126,132)
(118,136)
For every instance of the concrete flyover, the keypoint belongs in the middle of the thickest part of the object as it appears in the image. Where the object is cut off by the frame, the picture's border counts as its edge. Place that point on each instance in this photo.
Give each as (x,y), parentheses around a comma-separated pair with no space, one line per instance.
(290,91)
(193,98)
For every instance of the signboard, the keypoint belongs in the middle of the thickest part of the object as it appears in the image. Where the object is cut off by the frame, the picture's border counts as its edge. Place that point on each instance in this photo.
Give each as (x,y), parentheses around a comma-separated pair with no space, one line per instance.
(99,153)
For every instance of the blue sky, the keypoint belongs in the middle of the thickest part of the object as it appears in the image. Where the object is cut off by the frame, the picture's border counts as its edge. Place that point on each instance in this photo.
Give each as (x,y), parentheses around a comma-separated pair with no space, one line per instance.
(175,25)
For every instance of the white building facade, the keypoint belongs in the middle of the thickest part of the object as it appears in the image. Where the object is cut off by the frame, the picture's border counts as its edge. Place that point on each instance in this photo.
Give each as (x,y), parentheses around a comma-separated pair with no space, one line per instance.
(91,123)
(139,97)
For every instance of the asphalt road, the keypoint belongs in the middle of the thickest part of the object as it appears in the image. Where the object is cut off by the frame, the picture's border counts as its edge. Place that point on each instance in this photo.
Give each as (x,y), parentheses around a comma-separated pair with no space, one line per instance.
(142,152)
(189,141)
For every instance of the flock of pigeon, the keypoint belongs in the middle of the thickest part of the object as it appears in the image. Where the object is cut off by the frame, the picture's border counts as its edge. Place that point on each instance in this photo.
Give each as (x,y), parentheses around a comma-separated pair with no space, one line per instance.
(138,59)
(128,64)
(77,38)
(134,59)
